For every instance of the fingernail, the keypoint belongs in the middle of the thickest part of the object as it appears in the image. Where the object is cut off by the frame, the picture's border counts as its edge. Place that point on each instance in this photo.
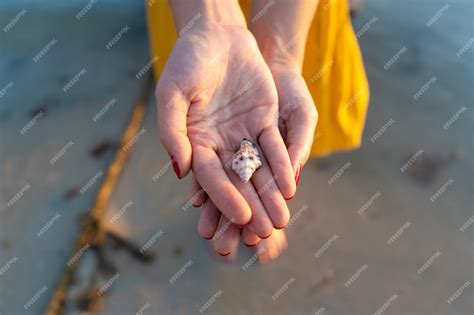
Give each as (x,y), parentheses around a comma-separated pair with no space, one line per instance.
(250,245)
(197,206)
(297,175)
(175,166)
(289,198)
(224,254)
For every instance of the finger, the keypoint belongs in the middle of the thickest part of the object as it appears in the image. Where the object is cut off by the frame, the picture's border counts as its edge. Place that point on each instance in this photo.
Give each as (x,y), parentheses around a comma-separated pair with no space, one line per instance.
(300,115)
(208,220)
(276,154)
(172,108)
(226,239)
(271,248)
(271,196)
(300,133)
(227,258)
(210,174)
(249,238)
(260,223)
(197,195)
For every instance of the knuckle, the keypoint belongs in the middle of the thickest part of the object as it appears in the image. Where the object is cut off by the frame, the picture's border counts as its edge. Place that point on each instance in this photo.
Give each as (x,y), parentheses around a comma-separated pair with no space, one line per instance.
(204,231)
(160,93)
(281,220)
(266,229)
(313,114)
(163,140)
(310,112)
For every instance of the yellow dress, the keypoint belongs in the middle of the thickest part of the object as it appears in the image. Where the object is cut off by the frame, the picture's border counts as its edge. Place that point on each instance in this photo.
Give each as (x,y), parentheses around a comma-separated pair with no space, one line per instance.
(333,70)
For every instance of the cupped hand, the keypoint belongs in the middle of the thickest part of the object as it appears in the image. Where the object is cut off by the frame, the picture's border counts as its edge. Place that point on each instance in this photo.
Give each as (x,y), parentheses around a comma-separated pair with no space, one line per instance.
(297,122)
(215,90)
(298,115)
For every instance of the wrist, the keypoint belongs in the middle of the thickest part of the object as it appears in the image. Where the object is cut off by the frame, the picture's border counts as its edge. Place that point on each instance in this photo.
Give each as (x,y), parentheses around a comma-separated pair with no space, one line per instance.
(281,29)
(281,51)
(205,13)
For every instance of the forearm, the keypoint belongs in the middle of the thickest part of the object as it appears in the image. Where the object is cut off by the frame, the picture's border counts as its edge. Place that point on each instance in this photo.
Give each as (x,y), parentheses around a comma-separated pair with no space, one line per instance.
(191,13)
(281,28)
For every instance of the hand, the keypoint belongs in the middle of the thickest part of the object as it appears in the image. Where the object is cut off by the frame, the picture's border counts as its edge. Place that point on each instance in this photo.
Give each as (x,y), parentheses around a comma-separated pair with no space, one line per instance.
(214,91)
(297,121)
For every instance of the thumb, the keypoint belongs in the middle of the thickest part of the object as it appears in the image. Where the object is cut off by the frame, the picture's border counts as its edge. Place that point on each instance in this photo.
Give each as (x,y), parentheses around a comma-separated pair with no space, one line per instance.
(172,109)
(298,111)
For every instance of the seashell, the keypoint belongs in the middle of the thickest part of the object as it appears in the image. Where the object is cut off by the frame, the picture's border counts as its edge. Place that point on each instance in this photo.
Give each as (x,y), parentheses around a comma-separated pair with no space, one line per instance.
(246,160)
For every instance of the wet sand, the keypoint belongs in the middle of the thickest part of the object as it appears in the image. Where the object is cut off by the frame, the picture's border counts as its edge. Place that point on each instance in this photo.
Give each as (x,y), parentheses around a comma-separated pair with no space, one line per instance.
(392,232)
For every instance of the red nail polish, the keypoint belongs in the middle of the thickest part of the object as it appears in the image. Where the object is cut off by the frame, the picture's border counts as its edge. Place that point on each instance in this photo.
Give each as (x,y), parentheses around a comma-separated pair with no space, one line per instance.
(265,237)
(175,166)
(297,175)
(289,198)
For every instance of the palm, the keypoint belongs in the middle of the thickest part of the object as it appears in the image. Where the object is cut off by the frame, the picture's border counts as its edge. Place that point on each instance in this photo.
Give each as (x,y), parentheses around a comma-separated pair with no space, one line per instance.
(223,91)
(230,89)
(297,121)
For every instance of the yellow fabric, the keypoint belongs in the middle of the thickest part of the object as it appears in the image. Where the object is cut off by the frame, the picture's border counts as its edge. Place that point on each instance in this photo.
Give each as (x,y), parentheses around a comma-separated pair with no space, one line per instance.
(333,70)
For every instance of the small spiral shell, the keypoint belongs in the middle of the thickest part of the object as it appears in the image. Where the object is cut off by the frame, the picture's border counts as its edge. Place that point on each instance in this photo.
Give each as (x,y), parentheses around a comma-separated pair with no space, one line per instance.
(246,160)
